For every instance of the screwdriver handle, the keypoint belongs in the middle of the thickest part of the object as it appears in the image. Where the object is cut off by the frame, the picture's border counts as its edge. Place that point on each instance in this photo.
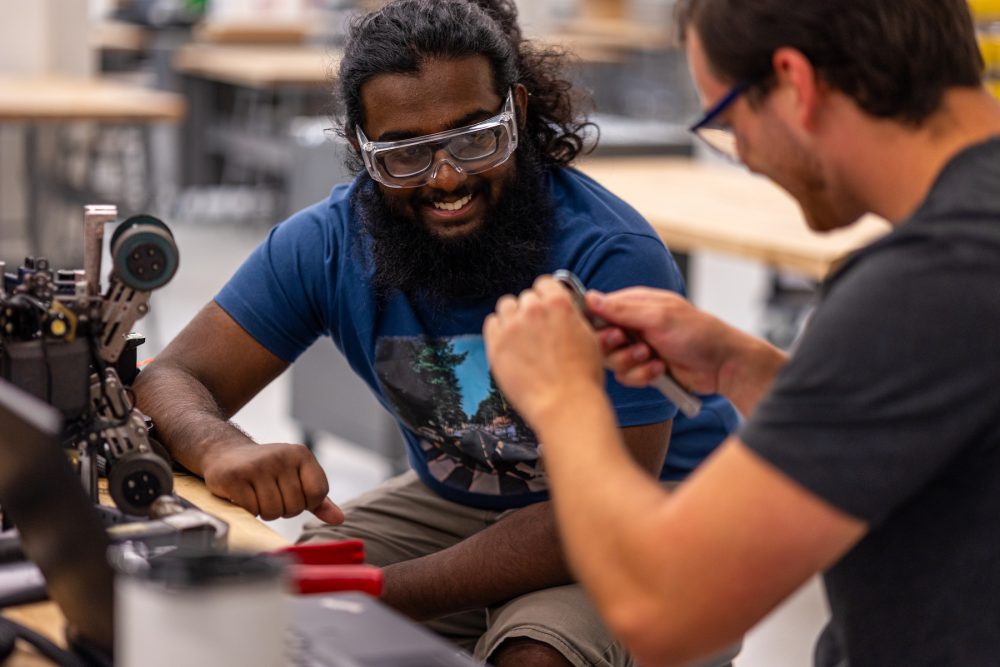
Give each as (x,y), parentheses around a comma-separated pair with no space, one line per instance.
(686,402)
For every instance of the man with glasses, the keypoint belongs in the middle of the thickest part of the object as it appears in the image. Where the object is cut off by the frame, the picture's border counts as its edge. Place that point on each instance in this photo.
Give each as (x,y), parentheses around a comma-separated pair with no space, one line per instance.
(462,133)
(713,128)
(412,163)
(872,453)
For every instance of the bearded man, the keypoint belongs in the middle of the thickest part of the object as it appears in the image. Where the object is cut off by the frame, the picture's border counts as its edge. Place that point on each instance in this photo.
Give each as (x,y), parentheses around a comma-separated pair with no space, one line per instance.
(462,135)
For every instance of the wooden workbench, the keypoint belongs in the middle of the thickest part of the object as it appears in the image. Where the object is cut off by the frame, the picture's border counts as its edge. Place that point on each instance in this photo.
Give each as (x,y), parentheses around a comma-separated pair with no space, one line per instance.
(246,533)
(66,99)
(615,34)
(110,35)
(53,100)
(697,206)
(259,66)
(252,32)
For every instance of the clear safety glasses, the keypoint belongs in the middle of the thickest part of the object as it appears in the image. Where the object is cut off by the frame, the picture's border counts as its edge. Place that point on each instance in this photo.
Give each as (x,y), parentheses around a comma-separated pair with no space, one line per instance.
(411,163)
(714,131)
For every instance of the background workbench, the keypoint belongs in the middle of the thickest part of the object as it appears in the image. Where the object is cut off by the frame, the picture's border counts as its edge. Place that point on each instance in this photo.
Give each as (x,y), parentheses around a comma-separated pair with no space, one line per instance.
(698,206)
(59,103)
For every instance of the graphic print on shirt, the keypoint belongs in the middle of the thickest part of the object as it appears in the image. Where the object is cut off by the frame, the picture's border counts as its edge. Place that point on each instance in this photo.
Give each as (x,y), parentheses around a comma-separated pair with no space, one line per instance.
(470,436)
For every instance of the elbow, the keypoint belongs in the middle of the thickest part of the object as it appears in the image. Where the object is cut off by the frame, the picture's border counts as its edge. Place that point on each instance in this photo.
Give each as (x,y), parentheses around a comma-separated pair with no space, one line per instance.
(658,636)
(644,631)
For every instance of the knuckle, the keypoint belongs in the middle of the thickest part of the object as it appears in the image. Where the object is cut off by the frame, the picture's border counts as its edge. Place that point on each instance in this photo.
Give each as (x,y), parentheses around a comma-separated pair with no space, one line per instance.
(298,454)
(294,509)
(317,490)
(533,307)
(295,504)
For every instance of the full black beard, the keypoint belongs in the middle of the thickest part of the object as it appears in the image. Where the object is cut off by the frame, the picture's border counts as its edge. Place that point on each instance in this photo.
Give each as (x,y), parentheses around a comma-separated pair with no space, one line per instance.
(503,256)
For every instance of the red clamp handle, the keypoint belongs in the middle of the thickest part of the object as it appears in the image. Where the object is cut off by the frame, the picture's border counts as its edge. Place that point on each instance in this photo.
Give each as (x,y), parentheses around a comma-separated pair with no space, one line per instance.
(310,579)
(338,552)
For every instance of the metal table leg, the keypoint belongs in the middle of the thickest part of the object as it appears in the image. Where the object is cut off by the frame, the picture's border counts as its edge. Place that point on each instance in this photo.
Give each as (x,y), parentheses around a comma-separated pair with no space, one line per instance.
(32,230)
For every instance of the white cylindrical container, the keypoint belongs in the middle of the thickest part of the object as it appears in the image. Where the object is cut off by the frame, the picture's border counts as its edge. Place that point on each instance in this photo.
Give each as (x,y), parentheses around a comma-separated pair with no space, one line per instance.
(224,610)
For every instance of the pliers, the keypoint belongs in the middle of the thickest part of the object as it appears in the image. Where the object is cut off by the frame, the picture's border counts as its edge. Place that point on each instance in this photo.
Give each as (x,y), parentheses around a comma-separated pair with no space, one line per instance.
(327,567)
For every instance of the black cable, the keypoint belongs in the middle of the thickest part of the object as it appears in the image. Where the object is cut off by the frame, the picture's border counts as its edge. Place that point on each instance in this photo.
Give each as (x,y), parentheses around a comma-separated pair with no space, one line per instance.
(49,382)
(42,644)
(8,637)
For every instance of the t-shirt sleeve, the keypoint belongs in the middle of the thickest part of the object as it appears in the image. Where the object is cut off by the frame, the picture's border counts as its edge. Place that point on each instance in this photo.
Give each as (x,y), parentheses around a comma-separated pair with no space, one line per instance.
(628,260)
(890,382)
(277,295)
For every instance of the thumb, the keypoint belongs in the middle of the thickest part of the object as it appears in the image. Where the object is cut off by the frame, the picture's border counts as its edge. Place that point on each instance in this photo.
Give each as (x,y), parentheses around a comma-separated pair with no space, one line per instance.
(633,309)
(328,512)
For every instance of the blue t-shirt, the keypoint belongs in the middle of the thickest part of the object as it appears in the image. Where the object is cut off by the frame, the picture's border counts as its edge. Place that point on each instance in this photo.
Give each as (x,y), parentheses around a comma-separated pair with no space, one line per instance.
(427,366)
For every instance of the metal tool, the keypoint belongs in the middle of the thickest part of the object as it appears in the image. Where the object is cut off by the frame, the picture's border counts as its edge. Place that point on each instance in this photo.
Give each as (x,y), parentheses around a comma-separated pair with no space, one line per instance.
(172,526)
(687,403)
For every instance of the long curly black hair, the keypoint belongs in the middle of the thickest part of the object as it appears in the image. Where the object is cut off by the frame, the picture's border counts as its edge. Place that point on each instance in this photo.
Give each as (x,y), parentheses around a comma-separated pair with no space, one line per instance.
(403,34)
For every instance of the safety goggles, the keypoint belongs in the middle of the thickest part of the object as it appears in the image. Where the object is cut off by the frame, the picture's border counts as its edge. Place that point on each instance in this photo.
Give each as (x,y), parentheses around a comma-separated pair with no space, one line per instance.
(411,163)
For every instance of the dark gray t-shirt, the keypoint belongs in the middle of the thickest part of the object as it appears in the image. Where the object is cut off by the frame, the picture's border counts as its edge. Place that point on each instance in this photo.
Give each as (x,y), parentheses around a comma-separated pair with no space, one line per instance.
(890,410)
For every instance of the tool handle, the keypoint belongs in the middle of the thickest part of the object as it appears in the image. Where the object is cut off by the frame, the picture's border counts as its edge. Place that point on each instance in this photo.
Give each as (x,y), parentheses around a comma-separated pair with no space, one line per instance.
(686,402)
(337,552)
(310,579)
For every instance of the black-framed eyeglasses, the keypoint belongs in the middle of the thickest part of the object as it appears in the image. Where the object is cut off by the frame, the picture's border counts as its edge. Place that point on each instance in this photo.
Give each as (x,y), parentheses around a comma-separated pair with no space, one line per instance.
(714,131)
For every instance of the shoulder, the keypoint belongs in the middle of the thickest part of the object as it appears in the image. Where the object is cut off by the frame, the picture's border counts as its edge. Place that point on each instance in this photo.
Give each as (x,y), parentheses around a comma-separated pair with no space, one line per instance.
(331,215)
(604,240)
(322,229)
(923,263)
(907,304)
(582,200)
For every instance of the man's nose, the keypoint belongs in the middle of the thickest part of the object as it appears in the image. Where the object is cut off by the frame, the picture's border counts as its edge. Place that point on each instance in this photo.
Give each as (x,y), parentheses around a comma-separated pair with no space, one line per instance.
(446,175)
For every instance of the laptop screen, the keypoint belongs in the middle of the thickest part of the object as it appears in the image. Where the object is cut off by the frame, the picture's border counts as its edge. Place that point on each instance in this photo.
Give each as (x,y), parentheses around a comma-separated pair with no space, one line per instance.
(60,530)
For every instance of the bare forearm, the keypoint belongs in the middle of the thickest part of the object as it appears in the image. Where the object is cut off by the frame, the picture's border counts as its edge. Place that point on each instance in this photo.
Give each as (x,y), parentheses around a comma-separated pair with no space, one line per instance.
(187,418)
(517,555)
(605,503)
(520,554)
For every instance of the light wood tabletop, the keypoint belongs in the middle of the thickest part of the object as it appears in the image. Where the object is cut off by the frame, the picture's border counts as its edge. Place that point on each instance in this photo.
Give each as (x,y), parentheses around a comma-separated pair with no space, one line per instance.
(611,33)
(119,36)
(259,66)
(253,32)
(246,533)
(698,206)
(63,98)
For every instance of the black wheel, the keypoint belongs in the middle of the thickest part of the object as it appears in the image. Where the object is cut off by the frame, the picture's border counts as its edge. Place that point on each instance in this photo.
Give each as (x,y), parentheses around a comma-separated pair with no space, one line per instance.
(161,451)
(136,480)
(144,253)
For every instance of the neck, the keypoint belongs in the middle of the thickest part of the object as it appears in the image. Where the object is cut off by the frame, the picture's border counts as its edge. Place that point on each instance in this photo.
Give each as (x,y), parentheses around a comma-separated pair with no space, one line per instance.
(891,167)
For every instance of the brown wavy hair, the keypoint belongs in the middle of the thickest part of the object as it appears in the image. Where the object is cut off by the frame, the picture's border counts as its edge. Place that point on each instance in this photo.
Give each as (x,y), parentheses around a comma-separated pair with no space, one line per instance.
(894,58)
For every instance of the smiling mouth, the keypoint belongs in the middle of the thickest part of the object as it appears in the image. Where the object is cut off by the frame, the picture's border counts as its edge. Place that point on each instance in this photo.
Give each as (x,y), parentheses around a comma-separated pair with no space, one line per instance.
(456,205)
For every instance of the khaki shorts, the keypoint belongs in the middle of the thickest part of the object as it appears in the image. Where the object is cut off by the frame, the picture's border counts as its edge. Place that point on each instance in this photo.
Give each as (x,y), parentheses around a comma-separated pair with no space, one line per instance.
(403,519)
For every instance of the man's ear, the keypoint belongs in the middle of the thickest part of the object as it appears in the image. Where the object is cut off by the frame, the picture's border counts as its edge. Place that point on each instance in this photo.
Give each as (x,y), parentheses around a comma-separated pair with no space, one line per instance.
(798,79)
(521,95)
